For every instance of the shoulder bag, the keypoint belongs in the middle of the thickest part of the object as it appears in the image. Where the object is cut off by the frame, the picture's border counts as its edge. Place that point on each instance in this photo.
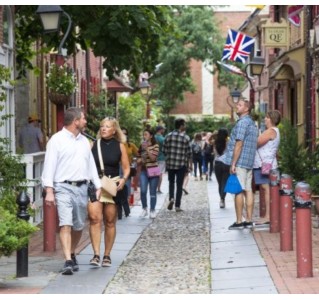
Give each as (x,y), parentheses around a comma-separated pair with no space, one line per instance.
(108,185)
(265,167)
(153,171)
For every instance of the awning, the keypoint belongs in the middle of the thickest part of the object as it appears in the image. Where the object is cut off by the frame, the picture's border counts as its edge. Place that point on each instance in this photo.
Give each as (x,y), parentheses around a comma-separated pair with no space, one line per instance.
(282,72)
(116,85)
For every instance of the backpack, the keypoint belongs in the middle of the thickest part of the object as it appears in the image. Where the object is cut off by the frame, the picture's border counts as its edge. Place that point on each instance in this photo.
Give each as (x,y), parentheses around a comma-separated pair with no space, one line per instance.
(208,149)
(196,148)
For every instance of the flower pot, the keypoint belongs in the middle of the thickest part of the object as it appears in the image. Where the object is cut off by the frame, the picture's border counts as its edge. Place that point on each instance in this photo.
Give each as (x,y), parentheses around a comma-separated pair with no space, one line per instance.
(59,98)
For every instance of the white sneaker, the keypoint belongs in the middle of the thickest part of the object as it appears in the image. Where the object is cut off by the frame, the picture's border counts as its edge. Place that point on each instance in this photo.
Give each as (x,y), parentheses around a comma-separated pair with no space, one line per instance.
(144,213)
(152,214)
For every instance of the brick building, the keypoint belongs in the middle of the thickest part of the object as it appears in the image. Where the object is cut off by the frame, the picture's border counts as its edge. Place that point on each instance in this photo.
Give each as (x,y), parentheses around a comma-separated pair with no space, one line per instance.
(209,99)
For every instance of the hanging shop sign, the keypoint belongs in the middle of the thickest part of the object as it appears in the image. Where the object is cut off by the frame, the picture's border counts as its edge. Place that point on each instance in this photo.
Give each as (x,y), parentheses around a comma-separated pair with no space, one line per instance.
(275,34)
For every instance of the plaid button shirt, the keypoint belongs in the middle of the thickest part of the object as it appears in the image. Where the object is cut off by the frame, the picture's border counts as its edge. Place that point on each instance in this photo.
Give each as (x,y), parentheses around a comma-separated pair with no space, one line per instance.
(245,130)
(177,150)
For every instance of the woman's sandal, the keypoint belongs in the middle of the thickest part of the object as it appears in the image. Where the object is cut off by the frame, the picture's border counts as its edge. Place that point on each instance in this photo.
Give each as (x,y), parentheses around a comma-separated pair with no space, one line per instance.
(106,262)
(95,261)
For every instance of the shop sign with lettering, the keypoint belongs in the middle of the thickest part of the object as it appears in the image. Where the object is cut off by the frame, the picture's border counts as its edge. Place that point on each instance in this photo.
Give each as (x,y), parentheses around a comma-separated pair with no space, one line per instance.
(275,34)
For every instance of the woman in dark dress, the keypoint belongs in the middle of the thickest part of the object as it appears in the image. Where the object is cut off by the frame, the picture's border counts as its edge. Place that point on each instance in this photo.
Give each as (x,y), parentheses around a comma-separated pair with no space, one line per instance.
(114,155)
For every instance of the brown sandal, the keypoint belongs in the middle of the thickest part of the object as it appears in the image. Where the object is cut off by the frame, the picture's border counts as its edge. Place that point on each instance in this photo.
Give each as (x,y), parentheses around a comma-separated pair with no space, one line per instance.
(106,261)
(95,261)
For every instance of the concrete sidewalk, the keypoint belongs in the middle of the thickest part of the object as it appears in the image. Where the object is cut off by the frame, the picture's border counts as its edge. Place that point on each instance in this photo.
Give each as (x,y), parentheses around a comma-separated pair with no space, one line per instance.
(237,264)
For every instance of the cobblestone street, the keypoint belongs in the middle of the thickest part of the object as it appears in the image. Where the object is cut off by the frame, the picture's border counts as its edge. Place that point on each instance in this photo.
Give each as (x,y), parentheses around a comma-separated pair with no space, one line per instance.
(173,254)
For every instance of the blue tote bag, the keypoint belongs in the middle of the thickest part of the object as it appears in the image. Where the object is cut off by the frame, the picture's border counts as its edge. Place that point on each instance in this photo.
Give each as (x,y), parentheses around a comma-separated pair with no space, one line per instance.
(232,185)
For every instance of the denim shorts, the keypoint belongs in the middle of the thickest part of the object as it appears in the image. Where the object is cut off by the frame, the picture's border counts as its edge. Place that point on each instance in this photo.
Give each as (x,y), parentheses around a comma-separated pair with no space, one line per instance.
(71,204)
(260,178)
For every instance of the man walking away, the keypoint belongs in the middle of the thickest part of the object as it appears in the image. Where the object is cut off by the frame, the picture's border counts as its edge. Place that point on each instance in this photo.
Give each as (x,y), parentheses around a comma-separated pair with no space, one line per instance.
(177,151)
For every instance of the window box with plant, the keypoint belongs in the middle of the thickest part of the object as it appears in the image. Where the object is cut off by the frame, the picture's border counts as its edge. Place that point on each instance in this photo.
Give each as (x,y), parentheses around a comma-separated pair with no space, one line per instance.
(61,83)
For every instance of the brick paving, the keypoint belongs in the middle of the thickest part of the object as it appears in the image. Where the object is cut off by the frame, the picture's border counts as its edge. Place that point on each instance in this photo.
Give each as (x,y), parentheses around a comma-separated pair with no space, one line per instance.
(282,265)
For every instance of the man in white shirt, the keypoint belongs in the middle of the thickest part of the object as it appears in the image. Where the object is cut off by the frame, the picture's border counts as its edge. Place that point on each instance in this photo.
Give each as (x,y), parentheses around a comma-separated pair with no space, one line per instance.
(68,166)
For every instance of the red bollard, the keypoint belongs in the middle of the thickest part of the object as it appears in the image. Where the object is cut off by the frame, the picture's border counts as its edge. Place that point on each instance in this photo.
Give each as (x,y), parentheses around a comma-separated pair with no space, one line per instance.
(286,227)
(303,230)
(274,201)
(49,226)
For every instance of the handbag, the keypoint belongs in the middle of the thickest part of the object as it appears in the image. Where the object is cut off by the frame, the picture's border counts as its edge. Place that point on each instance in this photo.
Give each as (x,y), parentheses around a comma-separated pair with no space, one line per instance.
(92,191)
(233,185)
(153,171)
(265,166)
(108,184)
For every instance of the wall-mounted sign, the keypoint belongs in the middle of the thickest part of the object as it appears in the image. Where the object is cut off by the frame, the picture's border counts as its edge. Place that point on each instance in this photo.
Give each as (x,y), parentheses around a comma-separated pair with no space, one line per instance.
(275,34)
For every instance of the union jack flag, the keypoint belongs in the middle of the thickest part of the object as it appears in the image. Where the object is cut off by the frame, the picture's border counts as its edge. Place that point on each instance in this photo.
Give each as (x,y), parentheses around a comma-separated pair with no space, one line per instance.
(238,46)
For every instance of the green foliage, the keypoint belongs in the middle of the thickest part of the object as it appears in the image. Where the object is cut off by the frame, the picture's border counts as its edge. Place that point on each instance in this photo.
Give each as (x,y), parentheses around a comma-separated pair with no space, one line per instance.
(312,170)
(98,109)
(293,157)
(196,36)
(208,124)
(61,80)
(132,111)
(129,36)
(14,233)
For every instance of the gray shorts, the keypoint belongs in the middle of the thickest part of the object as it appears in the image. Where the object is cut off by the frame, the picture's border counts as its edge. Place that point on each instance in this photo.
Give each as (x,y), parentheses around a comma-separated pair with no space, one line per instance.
(72,204)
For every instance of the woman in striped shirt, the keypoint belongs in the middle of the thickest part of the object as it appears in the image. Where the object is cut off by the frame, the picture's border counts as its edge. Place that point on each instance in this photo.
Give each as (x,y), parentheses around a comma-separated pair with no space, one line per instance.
(148,153)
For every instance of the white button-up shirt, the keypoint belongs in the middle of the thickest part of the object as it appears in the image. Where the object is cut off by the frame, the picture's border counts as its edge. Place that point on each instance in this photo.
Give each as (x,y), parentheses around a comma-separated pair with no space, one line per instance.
(69,158)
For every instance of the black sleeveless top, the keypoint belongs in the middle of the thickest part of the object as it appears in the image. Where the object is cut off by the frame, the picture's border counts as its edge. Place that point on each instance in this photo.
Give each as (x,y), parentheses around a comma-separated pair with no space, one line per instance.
(111,153)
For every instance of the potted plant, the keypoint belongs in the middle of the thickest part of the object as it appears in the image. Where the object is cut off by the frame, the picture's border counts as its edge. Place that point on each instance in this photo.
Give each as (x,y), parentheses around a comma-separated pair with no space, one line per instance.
(312,175)
(61,83)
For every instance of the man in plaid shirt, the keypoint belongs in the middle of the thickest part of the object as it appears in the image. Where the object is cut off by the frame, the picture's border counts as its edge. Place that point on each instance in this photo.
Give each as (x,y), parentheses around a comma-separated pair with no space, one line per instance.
(240,156)
(178,153)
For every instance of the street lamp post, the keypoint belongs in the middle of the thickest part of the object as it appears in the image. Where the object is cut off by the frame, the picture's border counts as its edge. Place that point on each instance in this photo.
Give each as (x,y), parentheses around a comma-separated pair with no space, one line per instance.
(232,100)
(146,91)
(50,17)
(256,67)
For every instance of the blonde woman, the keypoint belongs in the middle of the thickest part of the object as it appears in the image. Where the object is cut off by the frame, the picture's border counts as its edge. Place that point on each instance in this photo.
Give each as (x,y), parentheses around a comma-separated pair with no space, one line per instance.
(114,154)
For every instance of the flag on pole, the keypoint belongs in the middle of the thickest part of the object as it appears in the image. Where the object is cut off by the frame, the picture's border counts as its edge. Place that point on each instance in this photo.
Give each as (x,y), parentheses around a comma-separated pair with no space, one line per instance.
(231,68)
(293,14)
(238,46)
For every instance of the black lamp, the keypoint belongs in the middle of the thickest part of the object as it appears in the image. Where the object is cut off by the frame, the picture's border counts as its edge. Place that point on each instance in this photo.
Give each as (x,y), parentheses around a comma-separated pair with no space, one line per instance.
(235,94)
(50,17)
(257,65)
(145,87)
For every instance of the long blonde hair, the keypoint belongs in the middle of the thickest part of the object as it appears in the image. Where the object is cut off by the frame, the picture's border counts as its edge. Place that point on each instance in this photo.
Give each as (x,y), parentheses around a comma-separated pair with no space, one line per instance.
(118,135)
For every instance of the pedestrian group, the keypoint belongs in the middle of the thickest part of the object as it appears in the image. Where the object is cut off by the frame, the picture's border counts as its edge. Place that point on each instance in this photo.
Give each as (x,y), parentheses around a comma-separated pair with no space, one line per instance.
(72,163)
